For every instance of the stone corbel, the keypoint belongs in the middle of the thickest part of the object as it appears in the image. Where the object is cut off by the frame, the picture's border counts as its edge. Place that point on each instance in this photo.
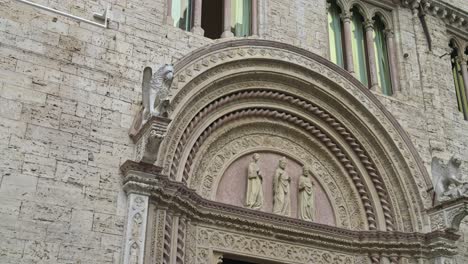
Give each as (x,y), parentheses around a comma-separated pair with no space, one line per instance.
(149,138)
(447,216)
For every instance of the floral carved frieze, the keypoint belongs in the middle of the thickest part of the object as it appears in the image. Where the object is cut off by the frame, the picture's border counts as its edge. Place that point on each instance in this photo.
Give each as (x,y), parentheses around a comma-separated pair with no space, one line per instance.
(135,229)
(149,137)
(265,248)
(212,226)
(448,215)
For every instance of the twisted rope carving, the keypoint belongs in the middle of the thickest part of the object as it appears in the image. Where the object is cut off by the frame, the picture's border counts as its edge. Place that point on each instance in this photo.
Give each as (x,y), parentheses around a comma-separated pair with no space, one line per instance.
(181,241)
(167,239)
(313,109)
(375,259)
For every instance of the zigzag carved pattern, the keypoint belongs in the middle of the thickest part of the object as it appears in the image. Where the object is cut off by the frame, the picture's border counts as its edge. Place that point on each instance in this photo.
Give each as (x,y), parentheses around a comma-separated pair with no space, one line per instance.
(335,124)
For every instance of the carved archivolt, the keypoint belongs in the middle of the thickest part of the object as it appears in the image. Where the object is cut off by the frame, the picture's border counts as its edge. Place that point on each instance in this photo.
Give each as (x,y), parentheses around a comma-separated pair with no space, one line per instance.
(312,94)
(257,134)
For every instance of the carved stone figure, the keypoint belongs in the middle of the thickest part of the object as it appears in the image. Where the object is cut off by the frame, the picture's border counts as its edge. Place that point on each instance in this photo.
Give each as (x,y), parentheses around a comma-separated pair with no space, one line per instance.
(134,251)
(156,96)
(281,185)
(448,184)
(306,196)
(254,196)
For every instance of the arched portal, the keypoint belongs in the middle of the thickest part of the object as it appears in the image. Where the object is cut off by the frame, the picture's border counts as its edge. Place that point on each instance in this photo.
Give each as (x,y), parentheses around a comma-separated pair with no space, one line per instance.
(252,103)
(220,85)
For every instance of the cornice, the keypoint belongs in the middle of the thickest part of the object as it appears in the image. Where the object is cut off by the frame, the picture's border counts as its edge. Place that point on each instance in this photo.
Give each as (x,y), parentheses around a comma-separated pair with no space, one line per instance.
(455,18)
(178,199)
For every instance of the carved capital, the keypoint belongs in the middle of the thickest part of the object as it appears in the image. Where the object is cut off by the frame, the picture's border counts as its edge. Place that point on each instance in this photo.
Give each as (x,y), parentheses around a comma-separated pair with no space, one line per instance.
(149,138)
(462,59)
(448,215)
(369,24)
(346,16)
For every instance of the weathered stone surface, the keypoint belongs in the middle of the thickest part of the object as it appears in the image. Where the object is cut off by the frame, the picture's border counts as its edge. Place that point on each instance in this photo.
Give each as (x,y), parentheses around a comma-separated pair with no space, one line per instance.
(69,92)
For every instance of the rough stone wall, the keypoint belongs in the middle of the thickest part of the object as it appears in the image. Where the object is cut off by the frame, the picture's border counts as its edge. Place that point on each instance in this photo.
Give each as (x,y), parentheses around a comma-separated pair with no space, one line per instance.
(68,93)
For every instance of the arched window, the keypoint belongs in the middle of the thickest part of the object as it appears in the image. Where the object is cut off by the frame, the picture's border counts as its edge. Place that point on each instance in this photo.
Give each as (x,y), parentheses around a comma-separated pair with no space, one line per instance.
(181,13)
(335,34)
(359,46)
(241,17)
(462,99)
(381,57)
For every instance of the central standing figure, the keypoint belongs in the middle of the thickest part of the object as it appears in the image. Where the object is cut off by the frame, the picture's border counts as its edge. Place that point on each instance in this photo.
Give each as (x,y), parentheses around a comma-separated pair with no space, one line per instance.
(281,184)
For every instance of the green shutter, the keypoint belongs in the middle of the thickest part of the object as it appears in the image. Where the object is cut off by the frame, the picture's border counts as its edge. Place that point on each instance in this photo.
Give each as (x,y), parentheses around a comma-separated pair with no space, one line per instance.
(241,13)
(334,35)
(359,47)
(181,12)
(381,57)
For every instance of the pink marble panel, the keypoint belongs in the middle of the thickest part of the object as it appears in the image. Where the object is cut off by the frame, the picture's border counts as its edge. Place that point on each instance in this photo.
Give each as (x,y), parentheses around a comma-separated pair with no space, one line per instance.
(233,185)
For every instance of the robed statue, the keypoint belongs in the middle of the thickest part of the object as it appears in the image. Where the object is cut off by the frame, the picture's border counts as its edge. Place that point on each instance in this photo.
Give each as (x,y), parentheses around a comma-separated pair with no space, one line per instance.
(281,193)
(306,195)
(254,196)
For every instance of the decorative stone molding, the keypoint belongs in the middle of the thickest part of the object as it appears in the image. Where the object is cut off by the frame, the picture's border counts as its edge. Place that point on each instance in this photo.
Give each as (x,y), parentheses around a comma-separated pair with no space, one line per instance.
(452,16)
(216,227)
(327,141)
(259,134)
(135,233)
(199,63)
(448,215)
(149,138)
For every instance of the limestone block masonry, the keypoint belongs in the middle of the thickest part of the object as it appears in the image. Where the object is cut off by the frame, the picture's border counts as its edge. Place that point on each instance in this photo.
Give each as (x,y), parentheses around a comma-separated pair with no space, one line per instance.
(70,92)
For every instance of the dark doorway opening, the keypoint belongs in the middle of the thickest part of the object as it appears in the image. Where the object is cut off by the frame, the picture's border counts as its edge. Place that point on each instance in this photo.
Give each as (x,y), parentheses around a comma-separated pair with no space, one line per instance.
(212,18)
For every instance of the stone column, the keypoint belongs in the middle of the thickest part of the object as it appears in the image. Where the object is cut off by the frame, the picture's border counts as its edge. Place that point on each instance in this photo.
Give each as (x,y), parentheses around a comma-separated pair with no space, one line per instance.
(254,18)
(227,20)
(346,18)
(392,60)
(135,233)
(462,60)
(197,18)
(169,19)
(374,82)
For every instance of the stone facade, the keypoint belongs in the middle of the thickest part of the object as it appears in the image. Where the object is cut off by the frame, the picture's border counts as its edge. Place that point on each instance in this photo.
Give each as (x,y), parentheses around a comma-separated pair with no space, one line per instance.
(69,93)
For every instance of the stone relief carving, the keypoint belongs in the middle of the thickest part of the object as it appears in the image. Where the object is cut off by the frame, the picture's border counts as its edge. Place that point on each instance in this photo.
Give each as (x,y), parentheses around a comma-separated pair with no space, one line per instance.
(281,190)
(135,229)
(306,196)
(263,248)
(448,182)
(217,154)
(149,139)
(254,196)
(156,96)
(205,62)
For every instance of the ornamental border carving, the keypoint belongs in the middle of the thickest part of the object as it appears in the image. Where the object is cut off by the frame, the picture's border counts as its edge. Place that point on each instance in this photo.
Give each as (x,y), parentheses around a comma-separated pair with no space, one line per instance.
(205,180)
(191,72)
(201,213)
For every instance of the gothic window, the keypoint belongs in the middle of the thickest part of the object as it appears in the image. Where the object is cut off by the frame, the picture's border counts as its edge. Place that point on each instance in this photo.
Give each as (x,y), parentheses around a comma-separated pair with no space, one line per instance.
(359,46)
(381,56)
(181,13)
(462,99)
(335,32)
(241,14)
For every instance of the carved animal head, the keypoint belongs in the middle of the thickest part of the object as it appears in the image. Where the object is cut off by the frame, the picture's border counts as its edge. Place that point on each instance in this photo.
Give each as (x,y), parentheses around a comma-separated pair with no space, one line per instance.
(167,72)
